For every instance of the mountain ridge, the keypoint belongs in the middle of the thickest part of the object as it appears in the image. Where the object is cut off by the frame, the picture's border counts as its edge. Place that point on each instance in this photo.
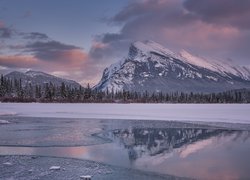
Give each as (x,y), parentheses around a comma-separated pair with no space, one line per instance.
(40,78)
(154,68)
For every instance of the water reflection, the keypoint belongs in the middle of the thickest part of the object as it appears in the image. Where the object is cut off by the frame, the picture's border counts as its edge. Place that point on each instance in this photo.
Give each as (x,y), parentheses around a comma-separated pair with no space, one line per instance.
(196,153)
(189,152)
(141,141)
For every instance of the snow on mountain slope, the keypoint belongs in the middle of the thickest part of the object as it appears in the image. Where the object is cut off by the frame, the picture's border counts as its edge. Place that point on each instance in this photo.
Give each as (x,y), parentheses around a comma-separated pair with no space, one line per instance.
(151,46)
(40,78)
(151,67)
(218,65)
(36,73)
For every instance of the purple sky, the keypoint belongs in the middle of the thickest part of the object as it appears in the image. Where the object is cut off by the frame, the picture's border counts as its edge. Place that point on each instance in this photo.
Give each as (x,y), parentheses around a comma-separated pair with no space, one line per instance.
(77,39)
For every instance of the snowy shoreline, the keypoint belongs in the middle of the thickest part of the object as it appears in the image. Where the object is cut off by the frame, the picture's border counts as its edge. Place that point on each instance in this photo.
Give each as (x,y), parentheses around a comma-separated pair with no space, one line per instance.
(227,113)
(33,167)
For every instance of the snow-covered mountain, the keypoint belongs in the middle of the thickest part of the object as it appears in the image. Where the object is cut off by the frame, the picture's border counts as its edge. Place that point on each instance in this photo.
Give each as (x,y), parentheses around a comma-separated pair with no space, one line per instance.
(153,68)
(40,78)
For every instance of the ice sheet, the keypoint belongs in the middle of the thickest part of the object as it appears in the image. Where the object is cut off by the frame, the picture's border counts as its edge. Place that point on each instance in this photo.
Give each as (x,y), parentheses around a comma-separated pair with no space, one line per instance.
(229,113)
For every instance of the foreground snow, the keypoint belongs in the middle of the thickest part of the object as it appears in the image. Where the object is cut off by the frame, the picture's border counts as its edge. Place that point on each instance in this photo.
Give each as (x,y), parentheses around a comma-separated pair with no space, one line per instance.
(36,167)
(4,122)
(230,113)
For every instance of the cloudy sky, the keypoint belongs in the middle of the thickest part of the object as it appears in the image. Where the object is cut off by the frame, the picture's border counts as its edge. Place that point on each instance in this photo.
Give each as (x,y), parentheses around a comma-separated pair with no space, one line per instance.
(77,39)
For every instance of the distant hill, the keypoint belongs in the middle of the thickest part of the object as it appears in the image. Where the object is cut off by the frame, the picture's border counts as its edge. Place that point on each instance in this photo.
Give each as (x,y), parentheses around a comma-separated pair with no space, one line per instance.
(40,78)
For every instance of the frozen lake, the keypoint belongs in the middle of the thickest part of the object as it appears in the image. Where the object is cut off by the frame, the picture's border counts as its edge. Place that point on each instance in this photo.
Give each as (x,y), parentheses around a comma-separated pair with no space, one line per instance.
(194,141)
(231,113)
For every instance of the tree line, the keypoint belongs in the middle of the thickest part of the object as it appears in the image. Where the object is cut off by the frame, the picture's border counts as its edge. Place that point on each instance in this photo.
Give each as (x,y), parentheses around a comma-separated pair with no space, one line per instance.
(14,90)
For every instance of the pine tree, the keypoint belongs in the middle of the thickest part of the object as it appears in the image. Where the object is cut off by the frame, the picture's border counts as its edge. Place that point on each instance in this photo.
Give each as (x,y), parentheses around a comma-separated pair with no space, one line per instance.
(87,92)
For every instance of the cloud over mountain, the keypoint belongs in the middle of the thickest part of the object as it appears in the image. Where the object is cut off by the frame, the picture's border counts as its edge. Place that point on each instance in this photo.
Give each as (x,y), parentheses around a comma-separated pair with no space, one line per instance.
(207,27)
(221,28)
(37,51)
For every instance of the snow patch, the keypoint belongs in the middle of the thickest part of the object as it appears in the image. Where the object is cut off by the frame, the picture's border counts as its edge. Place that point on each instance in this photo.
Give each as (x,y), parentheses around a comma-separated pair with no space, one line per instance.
(86,177)
(7,113)
(216,65)
(213,78)
(199,75)
(55,168)
(36,73)
(145,74)
(151,46)
(7,164)
(4,122)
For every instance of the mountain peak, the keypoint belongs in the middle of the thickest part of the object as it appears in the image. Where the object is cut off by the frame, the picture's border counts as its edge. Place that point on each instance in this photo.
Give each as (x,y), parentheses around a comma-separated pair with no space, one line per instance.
(33,73)
(149,46)
(151,67)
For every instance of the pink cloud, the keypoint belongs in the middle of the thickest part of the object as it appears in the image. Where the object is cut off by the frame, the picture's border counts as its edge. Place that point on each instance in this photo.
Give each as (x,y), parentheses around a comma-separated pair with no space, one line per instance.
(201,36)
(99,45)
(74,56)
(20,61)
(73,64)
(70,58)
(201,27)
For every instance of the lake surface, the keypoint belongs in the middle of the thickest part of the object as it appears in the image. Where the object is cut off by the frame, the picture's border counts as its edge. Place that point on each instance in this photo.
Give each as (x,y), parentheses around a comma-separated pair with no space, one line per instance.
(227,113)
(187,149)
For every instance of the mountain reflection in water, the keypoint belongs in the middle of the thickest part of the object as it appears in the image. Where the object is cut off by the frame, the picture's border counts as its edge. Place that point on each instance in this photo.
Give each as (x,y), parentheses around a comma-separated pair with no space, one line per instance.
(189,152)
(152,142)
